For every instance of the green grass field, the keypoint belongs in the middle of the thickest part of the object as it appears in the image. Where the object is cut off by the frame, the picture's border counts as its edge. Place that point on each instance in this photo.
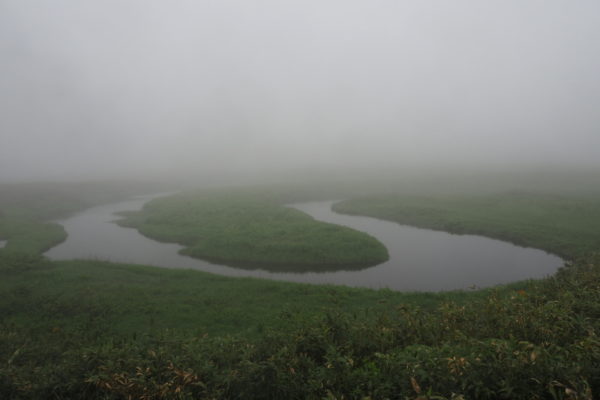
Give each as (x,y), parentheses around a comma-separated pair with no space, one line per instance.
(148,300)
(26,209)
(29,236)
(251,229)
(86,329)
(97,330)
(566,225)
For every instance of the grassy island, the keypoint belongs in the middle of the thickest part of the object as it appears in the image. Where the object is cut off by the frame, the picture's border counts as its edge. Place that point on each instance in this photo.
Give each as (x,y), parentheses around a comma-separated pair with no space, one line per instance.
(253,230)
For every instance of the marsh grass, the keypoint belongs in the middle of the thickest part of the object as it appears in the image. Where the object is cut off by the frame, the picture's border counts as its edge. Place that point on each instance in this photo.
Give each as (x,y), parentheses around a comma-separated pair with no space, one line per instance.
(29,236)
(105,331)
(98,330)
(27,208)
(253,230)
(566,225)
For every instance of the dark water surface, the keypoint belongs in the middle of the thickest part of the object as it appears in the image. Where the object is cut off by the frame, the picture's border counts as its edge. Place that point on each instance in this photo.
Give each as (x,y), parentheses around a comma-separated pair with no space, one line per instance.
(420,259)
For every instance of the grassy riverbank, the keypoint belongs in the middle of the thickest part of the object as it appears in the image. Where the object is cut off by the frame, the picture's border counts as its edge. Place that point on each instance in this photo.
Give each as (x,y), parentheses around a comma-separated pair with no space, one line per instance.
(25,209)
(140,300)
(30,236)
(93,330)
(252,229)
(567,225)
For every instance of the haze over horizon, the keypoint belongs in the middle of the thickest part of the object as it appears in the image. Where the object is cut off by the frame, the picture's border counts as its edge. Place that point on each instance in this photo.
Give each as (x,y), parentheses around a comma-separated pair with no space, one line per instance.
(134,88)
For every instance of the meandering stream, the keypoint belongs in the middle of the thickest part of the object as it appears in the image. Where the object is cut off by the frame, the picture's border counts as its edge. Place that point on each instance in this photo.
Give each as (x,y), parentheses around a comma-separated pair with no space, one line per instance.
(420,259)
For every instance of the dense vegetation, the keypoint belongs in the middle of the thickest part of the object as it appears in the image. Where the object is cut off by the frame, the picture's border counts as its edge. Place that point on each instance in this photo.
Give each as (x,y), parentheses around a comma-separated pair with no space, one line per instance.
(96,330)
(539,341)
(565,225)
(251,229)
(137,299)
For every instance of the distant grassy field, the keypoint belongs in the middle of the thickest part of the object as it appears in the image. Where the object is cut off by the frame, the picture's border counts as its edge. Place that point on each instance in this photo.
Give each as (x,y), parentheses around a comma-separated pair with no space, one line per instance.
(566,225)
(25,210)
(251,229)
(30,236)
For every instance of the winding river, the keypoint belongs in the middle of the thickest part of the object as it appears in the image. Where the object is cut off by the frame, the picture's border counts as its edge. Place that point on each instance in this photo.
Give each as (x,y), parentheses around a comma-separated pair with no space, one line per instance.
(420,259)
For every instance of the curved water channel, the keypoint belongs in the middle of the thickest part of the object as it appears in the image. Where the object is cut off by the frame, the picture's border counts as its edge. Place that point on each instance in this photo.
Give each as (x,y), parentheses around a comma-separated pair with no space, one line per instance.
(420,259)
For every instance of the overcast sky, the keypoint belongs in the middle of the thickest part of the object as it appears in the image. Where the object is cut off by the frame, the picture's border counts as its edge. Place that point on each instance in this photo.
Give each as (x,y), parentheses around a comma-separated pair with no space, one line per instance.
(92,89)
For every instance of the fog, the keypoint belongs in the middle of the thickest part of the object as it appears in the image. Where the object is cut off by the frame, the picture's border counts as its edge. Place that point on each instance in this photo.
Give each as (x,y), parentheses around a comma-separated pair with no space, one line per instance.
(146,88)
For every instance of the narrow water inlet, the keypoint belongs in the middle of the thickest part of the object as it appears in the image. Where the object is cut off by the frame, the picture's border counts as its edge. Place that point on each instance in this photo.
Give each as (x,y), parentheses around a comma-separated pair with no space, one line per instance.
(420,259)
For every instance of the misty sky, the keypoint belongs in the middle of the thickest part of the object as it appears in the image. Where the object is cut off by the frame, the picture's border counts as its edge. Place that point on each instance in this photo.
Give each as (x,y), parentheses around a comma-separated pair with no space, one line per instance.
(91,89)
